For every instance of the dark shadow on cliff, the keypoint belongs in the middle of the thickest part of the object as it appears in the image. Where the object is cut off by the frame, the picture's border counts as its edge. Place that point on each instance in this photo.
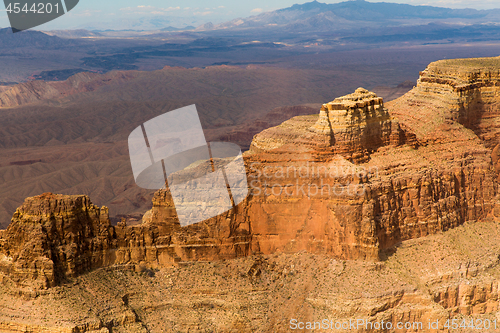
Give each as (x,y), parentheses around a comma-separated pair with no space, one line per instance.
(386,254)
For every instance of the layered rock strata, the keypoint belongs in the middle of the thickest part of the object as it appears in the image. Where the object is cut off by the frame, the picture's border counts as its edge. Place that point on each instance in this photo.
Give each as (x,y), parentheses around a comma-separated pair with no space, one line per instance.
(466,91)
(451,92)
(52,237)
(353,126)
(55,237)
(437,278)
(469,91)
(354,208)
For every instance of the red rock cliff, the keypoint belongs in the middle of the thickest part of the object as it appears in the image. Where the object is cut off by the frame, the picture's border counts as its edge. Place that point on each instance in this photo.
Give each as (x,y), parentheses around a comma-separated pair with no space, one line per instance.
(55,237)
(350,183)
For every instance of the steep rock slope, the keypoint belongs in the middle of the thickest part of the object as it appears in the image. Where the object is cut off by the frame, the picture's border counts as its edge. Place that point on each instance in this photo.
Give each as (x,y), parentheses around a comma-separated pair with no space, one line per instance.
(435,278)
(461,90)
(405,190)
(52,238)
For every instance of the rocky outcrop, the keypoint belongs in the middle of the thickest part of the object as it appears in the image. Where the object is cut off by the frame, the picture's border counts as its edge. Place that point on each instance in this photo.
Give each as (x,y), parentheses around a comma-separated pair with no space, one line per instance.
(450,92)
(357,124)
(353,126)
(55,237)
(52,237)
(469,90)
(465,91)
(437,278)
(408,188)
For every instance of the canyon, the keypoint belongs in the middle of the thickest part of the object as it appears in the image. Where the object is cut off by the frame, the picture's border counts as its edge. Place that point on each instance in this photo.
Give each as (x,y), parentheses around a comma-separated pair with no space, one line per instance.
(365,209)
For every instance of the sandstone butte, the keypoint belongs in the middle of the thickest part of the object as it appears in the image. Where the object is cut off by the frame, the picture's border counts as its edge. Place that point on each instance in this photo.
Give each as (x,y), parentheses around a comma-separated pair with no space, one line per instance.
(352,182)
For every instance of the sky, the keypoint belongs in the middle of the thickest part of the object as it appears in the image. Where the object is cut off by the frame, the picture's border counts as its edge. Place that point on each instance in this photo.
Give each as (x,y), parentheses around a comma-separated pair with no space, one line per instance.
(122,14)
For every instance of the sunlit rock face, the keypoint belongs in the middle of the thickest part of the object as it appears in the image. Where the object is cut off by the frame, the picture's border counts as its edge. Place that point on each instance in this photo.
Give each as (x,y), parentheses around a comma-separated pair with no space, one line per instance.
(52,237)
(463,91)
(407,183)
(356,124)
(353,126)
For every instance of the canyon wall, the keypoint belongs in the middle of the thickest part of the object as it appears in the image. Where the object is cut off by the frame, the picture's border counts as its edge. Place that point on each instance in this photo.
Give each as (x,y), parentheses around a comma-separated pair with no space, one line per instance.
(349,183)
(52,237)
(471,90)
(55,237)
(465,91)
(405,190)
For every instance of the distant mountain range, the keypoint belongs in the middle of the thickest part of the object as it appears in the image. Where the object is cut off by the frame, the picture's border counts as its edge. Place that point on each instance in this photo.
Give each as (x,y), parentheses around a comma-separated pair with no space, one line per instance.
(319,16)
(353,16)
(313,15)
(30,38)
(312,27)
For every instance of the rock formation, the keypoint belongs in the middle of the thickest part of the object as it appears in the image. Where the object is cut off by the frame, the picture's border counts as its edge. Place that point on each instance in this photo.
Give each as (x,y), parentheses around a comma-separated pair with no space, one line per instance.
(356,210)
(453,92)
(440,277)
(349,183)
(355,124)
(52,237)
(55,237)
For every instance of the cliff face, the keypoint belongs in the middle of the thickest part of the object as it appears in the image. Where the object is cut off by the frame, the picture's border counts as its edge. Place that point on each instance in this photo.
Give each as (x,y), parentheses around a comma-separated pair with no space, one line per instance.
(402,185)
(55,237)
(306,194)
(440,277)
(52,237)
(463,91)
(472,90)
(349,183)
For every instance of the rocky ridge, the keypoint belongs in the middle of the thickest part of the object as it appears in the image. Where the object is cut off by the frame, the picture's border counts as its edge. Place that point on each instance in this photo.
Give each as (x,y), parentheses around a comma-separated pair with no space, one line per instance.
(53,238)
(34,91)
(464,91)
(452,92)
(403,183)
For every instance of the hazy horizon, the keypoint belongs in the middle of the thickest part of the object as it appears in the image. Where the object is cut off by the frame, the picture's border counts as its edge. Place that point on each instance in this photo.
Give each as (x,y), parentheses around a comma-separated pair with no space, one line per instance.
(91,14)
